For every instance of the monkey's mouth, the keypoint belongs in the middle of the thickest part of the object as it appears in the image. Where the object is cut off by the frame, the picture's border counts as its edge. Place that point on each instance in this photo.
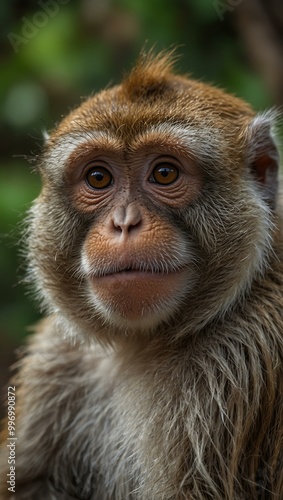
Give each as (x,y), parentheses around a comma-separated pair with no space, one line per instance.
(136,277)
(134,274)
(137,291)
(138,271)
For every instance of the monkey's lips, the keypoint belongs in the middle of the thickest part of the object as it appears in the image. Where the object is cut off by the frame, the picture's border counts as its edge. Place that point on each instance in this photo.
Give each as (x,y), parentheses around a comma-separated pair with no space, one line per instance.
(135,274)
(135,294)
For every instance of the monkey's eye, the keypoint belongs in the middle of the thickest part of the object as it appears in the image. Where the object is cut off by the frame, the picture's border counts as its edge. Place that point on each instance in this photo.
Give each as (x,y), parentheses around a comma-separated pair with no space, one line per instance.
(99,178)
(164,173)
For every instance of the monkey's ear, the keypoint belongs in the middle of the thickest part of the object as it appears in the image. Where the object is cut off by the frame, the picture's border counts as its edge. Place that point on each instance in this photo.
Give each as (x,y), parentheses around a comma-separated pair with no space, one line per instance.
(263,156)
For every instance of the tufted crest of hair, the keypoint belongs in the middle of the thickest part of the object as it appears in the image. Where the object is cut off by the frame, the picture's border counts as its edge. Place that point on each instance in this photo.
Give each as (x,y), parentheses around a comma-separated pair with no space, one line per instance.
(150,76)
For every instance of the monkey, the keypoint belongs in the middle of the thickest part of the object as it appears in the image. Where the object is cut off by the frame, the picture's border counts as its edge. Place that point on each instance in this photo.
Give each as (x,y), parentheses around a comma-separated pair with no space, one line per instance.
(155,249)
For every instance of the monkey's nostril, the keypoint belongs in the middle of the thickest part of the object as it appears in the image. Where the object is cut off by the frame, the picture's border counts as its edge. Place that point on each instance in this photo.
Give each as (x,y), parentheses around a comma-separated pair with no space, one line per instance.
(133,227)
(117,227)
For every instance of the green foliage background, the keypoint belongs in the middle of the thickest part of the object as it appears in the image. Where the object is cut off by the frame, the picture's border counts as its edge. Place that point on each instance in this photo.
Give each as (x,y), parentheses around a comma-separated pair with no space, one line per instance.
(80,48)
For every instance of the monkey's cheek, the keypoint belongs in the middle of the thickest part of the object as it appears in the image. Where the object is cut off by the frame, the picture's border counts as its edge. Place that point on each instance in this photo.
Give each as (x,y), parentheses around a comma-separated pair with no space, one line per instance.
(138,295)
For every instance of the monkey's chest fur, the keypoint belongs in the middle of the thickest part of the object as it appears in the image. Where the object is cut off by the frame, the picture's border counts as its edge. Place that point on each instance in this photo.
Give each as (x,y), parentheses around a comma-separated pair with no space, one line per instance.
(148,425)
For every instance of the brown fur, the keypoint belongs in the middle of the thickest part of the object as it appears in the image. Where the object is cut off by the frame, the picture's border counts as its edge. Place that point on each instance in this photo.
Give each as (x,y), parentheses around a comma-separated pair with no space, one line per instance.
(190,406)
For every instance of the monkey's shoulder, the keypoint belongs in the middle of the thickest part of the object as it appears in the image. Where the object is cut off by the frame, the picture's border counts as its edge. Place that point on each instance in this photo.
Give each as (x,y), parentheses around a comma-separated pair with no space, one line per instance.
(55,360)
(63,397)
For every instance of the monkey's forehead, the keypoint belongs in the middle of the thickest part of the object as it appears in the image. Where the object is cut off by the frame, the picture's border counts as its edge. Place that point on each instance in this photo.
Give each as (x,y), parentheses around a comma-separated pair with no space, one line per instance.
(183,101)
(153,94)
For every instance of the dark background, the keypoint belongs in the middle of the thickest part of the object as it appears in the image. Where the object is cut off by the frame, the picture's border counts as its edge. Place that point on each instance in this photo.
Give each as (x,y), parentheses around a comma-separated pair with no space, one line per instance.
(56,52)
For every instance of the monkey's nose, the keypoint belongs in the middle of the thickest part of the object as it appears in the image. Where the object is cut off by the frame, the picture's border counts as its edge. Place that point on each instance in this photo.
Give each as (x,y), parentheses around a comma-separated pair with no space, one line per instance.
(127,219)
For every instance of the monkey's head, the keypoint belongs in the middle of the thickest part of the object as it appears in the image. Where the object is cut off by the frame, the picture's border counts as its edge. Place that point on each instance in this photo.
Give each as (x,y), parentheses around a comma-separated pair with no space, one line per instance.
(157,206)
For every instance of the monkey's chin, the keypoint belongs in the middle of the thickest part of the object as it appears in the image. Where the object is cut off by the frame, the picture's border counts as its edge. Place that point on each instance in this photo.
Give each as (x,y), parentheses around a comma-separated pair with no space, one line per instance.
(138,299)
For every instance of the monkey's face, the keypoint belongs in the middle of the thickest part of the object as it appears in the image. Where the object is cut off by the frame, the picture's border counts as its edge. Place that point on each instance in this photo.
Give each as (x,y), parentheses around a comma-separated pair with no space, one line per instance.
(134,264)
(137,264)
(150,209)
